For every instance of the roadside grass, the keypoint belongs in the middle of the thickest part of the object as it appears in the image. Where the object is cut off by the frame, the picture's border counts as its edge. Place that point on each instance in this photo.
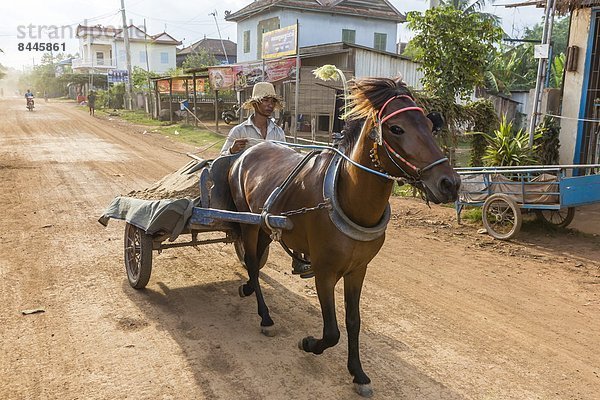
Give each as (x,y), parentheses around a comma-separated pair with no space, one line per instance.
(133,116)
(177,131)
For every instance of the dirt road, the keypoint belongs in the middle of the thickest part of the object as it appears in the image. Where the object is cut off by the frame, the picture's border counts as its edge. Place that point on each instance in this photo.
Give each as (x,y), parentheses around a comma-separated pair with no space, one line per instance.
(447,313)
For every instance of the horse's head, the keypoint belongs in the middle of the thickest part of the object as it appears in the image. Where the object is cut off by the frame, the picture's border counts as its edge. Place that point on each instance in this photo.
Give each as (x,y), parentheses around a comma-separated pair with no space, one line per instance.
(403,142)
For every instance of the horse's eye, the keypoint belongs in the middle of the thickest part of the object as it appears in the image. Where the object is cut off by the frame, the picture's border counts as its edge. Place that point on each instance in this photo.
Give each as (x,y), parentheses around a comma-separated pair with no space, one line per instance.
(396,130)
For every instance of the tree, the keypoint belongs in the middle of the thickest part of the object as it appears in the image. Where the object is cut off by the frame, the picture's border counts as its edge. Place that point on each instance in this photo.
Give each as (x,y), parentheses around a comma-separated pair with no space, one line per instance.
(140,78)
(43,76)
(516,69)
(472,7)
(453,48)
(200,58)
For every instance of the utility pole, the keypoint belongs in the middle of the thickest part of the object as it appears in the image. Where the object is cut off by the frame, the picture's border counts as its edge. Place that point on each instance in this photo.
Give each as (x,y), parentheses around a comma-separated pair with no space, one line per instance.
(148,95)
(214,14)
(541,72)
(127,57)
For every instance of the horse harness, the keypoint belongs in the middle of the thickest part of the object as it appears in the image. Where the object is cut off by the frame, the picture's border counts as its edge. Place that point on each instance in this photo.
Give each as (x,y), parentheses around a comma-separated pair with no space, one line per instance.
(337,216)
(376,135)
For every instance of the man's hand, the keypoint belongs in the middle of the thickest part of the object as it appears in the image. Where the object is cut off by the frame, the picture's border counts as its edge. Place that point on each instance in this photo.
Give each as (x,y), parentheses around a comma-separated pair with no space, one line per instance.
(238,145)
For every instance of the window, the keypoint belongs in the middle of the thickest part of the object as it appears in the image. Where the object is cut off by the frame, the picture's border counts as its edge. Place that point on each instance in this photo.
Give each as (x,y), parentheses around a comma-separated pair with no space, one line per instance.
(266,25)
(349,36)
(246,41)
(164,58)
(99,58)
(380,41)
(142,57)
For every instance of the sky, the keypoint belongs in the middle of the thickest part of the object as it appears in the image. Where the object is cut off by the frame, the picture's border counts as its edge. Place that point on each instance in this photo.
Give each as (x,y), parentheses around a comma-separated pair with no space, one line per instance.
(35,20)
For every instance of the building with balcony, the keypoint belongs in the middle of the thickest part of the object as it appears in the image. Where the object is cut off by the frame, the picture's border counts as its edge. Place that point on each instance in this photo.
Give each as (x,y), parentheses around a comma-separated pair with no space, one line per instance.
(103,48)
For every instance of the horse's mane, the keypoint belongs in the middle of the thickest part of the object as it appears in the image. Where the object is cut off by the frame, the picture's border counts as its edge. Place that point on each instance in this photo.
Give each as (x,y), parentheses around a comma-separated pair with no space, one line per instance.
(367,96)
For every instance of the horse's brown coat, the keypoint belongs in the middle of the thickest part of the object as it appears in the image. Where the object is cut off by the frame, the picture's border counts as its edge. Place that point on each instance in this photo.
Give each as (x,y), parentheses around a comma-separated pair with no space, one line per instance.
(362,196)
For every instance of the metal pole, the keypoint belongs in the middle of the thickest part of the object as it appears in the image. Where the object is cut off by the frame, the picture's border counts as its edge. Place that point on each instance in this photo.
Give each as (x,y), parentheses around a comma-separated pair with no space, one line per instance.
(147,62)
(127,57)
(546,34)
(171,99)
(214,14)
(217,110)
(195,89)
(297,84)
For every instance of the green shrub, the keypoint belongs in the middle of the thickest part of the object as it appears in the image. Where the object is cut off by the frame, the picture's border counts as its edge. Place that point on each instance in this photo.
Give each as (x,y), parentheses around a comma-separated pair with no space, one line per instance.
(547,141)
(507,147)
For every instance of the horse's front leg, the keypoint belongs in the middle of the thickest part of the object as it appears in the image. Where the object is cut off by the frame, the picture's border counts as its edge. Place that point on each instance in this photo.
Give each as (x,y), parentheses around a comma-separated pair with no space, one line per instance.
(254,246)
(352,288)
(331,334)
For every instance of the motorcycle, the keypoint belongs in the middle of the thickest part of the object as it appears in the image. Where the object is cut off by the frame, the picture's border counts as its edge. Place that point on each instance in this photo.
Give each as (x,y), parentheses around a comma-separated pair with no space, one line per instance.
(30,103)
(231,115)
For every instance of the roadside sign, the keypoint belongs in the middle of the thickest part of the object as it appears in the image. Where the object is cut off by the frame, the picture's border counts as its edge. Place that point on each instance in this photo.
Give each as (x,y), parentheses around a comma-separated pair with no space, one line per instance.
(118,76)
(280,42)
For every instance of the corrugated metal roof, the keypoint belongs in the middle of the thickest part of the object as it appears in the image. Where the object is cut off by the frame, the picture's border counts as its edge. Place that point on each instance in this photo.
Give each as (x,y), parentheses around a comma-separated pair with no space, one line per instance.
(366,8)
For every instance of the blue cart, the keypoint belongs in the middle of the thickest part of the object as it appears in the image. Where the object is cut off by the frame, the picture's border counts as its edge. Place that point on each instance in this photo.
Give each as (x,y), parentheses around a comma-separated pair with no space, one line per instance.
(551,191)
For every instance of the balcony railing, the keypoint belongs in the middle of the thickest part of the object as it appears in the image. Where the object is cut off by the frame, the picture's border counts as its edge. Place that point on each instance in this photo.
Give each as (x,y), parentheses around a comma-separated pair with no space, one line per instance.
(105,63)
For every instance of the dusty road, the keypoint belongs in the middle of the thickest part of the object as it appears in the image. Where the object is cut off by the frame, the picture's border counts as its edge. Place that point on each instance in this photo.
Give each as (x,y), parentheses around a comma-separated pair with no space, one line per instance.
(447,313)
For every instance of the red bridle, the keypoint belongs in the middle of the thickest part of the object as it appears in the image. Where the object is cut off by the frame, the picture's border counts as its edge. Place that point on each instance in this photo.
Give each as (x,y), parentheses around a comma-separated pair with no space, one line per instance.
(389,150)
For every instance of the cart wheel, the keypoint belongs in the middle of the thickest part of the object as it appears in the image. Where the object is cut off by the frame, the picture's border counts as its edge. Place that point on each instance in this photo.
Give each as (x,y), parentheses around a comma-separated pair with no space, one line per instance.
(138,256)
(501,216)
(559,218)
(239,250)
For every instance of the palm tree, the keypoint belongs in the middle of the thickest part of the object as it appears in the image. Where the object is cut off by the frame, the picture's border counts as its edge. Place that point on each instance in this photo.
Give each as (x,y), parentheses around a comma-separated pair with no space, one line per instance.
(471,7)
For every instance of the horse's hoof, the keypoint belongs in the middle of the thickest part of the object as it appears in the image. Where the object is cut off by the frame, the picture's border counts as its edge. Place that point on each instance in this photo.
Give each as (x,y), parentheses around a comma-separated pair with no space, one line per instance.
(365,390)
(303,343)
(268,331)
(245,290)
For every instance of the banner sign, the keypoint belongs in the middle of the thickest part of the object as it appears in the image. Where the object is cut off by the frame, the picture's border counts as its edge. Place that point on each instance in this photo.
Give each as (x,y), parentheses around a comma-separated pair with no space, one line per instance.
(245,75)
(280,42)
(179,86)
(118,76)
(221,77)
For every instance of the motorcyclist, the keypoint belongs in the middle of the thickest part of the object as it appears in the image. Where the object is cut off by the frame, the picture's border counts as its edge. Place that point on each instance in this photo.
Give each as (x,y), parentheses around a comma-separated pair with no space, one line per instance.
(28,96)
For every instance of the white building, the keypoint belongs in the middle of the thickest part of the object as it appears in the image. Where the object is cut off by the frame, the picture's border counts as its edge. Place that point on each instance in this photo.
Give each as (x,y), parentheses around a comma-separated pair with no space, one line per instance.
(103,49)
(368,23)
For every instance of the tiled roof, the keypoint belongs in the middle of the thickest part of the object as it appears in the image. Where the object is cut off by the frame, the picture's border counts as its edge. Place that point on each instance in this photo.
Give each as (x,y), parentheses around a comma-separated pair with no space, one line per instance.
(212,46)
(116,33)
(366,8)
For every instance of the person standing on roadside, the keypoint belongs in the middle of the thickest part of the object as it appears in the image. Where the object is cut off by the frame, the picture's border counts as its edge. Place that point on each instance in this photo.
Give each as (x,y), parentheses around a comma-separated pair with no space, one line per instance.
(92,101)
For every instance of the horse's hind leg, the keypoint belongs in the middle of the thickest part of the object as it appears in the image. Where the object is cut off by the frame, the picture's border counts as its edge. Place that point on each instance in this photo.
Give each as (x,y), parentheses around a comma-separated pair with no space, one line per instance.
(247,289)
(331,334)
(254,245)
(352,288)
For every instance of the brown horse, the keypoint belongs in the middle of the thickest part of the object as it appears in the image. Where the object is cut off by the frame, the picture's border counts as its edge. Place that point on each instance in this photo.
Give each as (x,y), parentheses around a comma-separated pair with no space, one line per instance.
(342,208)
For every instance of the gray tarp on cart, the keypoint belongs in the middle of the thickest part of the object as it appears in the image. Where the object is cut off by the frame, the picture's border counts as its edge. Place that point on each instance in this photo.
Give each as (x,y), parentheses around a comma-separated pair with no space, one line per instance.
(542,189)
(168,216)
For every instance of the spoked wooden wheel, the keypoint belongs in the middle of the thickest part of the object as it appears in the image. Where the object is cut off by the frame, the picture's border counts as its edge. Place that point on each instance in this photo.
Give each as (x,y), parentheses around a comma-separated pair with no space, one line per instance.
(138,256)
(501,216)
(559,218)
(240,252)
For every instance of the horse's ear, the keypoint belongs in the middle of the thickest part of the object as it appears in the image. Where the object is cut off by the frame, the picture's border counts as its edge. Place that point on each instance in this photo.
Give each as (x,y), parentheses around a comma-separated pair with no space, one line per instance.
(438,122)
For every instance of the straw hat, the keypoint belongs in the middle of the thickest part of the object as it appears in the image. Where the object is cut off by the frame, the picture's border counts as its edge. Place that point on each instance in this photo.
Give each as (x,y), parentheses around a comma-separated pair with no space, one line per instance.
(262,90)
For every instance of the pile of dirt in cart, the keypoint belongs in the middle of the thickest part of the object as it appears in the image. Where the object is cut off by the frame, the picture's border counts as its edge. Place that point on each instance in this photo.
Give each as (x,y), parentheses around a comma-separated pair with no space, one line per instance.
(182,183)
